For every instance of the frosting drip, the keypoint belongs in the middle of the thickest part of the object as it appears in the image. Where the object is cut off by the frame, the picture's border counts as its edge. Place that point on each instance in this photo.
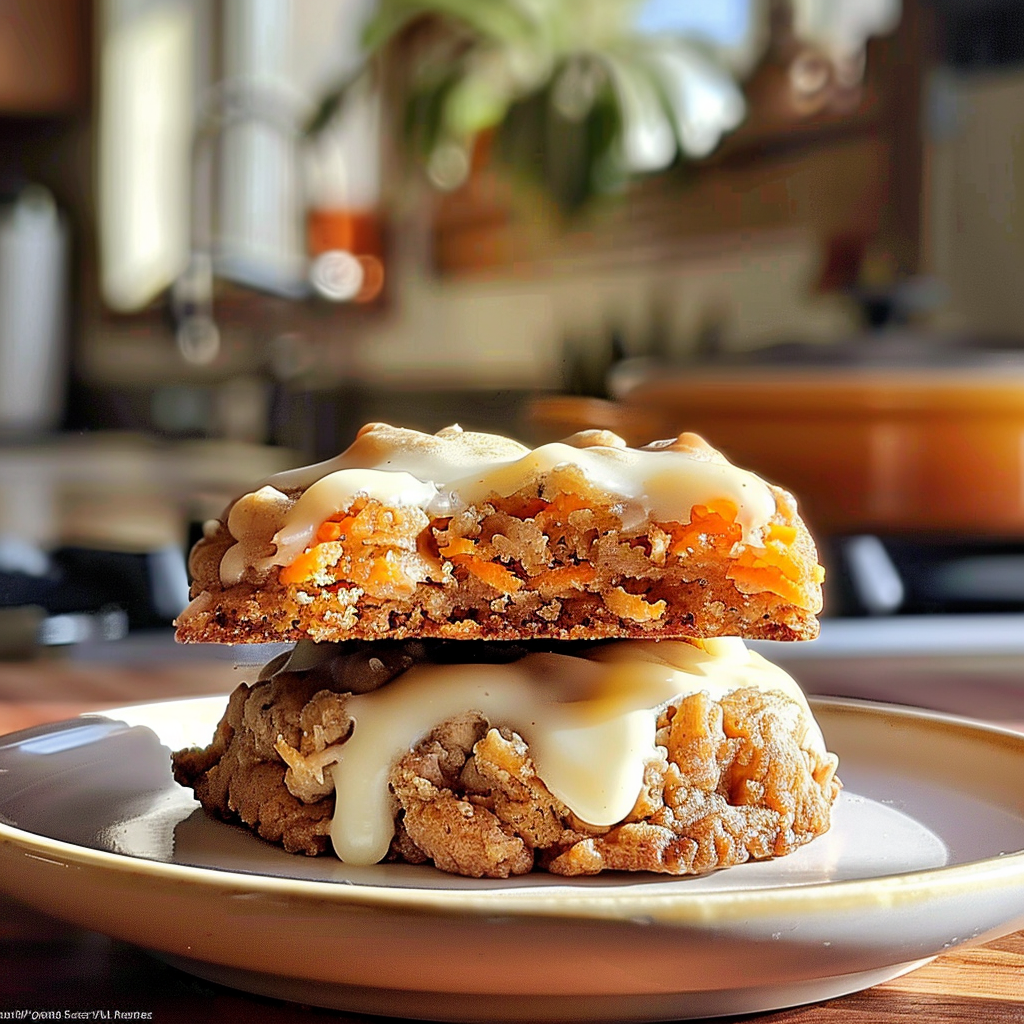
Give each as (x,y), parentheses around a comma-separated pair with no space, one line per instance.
(590,723)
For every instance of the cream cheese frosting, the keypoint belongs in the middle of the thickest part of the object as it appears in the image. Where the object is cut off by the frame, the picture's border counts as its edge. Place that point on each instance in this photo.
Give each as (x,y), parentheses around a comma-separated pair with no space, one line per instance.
(445,472)
(590,723)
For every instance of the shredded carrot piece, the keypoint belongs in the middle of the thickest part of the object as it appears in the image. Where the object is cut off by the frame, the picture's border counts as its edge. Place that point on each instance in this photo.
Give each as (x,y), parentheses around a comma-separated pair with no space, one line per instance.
(724,507)
(458,546)
(367,533)
(382,575)
(765,578)
(491,573)
(565,578)
(782,533)
(309,563)
(777,567)
(554,520)
(775,557)
(329,531)
(562,505)
(711,525)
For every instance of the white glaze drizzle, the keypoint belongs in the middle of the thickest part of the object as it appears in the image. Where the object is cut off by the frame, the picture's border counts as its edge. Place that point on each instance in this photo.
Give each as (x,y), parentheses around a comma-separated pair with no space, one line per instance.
(590,724)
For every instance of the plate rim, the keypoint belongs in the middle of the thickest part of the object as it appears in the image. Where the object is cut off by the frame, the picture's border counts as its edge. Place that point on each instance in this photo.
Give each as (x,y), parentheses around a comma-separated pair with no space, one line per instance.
(685,907)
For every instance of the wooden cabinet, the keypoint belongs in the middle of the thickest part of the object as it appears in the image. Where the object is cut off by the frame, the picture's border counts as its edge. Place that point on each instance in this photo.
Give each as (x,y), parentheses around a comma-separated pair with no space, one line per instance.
(44,56)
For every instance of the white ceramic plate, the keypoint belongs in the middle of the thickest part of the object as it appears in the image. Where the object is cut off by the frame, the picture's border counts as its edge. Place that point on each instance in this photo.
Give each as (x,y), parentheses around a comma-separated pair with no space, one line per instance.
(927,852)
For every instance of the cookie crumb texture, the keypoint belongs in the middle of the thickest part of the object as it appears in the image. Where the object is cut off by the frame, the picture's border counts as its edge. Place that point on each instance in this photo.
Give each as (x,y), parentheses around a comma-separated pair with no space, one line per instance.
(731,783)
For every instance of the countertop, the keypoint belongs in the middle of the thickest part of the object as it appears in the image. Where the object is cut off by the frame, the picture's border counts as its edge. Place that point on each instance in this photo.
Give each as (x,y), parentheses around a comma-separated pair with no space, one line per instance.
(48,965)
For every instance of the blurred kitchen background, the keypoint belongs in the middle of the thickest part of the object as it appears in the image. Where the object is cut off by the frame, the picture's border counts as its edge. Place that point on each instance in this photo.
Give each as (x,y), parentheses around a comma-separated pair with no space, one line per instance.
(233,231)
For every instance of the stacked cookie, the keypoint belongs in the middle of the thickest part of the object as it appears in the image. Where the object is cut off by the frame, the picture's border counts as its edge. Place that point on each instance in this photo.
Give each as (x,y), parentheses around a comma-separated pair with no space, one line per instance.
(510,659)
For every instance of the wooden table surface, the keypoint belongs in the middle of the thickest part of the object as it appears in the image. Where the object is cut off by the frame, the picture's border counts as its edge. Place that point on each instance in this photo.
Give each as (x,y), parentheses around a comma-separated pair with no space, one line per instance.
(46,965)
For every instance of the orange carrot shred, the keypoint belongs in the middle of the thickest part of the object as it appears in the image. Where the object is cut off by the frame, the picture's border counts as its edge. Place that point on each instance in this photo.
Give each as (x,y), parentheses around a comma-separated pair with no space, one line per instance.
(328,531)
(491,573)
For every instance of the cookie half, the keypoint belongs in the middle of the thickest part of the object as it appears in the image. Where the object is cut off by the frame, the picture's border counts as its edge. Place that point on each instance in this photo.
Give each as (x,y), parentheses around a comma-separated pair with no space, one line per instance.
(462,535)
